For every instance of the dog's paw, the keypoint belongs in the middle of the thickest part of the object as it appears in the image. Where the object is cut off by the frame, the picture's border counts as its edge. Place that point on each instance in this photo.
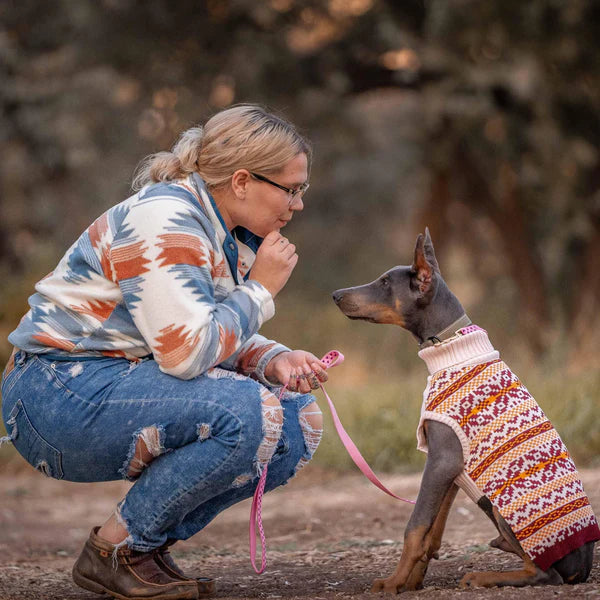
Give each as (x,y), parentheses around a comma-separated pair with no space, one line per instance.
(471,580)
(389,586)
(378,585)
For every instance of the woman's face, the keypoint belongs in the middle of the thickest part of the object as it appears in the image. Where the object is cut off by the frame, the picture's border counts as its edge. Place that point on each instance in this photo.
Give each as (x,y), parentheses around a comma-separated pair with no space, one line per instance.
(269,208)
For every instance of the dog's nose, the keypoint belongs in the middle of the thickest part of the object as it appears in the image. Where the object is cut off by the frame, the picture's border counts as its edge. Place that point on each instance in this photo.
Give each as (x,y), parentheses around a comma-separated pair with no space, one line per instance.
(337,296)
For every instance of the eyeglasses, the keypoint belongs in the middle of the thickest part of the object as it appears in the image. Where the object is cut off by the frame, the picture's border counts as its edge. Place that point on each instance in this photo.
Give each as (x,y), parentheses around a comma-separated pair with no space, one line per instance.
(291,192)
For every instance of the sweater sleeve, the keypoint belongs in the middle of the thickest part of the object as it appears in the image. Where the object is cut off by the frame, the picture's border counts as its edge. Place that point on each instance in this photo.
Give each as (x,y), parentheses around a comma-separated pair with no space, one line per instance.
(253,357)
(164,263)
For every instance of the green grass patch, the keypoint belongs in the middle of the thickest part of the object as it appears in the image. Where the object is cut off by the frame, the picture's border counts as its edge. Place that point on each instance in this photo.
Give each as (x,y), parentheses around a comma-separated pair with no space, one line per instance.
(382,418)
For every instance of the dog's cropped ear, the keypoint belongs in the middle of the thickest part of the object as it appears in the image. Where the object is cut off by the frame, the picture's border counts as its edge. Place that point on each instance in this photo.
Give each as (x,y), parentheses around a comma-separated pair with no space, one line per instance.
(425,262)
(429,251)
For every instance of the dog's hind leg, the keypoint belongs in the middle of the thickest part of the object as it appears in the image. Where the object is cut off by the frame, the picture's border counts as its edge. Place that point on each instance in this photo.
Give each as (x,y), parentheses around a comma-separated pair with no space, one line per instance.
(502,544)
(506,541)
(433,542)
(530,574)
(573,568)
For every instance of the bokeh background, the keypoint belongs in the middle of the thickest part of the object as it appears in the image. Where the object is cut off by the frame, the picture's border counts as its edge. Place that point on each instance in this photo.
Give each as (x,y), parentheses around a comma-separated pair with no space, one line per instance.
(478,119)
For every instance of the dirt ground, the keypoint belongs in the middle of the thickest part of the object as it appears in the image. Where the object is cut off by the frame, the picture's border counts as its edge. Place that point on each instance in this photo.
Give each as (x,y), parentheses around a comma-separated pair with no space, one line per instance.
(328,537)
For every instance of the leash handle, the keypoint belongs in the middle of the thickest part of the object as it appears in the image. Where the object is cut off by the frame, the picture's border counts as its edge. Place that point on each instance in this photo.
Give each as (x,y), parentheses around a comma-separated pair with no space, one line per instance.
(331,359)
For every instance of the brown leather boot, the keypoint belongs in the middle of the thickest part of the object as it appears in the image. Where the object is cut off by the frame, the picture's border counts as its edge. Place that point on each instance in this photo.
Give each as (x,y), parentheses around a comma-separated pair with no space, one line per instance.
(137,576)
(206,585)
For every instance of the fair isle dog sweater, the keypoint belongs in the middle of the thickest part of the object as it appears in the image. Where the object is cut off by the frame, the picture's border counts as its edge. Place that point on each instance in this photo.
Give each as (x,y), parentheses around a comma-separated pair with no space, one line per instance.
(158,274)
(512,453)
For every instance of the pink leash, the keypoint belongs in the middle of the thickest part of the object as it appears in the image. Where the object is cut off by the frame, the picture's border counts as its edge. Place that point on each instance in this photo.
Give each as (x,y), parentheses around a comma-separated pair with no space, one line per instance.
(331,359)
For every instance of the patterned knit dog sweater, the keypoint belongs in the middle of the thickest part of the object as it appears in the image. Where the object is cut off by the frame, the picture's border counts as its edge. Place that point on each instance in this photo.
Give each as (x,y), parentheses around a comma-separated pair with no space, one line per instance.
(513,455)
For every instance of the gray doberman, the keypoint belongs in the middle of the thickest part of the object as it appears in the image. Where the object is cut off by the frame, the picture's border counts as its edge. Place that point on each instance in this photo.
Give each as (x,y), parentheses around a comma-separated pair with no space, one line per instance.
(417,298)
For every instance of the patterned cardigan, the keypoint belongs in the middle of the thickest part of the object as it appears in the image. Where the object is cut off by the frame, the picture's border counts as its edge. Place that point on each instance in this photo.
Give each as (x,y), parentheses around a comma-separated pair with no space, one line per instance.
(158,274)
(512,453)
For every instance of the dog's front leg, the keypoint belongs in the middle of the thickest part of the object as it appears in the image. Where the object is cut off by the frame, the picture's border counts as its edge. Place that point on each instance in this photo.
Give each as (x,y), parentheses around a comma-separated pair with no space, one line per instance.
(444,464)
(433,541)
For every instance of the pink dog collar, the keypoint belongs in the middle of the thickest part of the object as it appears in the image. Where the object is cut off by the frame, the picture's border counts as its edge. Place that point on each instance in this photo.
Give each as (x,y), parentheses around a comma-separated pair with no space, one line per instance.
(470,329)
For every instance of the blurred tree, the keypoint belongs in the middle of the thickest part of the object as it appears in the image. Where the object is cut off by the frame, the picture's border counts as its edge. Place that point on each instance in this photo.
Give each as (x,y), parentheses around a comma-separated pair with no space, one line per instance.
(518,143)
(479,119)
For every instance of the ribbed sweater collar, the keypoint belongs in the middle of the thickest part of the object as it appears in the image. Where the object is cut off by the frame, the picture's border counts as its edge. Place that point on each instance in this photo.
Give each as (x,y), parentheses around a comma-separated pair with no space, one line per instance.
(473,348)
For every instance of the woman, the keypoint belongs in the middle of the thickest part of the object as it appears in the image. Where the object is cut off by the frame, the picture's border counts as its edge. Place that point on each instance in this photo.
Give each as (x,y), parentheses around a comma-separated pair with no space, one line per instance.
(140,356)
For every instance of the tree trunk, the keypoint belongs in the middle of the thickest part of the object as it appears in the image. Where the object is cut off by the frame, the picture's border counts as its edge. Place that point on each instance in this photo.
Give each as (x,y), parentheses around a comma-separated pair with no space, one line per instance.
(507,215)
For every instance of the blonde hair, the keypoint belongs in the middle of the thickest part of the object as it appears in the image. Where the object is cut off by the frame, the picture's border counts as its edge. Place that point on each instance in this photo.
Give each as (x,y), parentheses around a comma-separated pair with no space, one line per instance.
(244,136)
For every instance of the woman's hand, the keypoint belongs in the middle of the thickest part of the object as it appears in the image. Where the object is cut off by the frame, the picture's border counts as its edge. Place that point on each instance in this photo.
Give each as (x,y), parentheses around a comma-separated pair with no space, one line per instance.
(302,371)
(275,261)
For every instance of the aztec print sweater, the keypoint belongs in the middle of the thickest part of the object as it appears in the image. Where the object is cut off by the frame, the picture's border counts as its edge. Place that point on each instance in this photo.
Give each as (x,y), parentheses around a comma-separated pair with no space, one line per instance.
(512,453)
(158,274)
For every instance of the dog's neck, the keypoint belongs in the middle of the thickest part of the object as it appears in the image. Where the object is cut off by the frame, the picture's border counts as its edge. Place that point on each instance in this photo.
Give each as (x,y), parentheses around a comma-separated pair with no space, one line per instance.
(446,333)
(464,348)
(432,321)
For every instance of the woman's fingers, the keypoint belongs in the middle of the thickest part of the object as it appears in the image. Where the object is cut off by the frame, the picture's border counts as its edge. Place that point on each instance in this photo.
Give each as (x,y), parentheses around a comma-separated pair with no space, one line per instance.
(286,248)
(312,383)
(293,382)
(273,238)
(298,382)
(320,372)
(307,374)
(274,263)
(276,239)
(289,251)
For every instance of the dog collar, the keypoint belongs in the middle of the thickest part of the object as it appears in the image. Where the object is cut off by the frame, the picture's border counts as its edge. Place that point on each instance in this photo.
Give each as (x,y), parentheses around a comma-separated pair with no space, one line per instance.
(449,332)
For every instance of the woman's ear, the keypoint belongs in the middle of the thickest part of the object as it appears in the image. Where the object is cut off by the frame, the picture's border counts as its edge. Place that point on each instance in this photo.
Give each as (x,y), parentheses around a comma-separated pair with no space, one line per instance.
(239,183)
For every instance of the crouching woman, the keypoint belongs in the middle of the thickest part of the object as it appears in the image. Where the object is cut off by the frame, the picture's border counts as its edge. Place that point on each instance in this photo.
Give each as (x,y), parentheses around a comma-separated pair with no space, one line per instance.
(139,357)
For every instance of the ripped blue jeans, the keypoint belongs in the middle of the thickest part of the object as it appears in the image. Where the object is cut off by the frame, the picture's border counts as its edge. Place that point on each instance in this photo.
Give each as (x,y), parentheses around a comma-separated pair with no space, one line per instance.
(209,436)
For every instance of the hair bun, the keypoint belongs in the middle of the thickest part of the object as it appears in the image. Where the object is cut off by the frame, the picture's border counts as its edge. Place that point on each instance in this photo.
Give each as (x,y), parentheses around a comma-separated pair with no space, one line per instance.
(188,148)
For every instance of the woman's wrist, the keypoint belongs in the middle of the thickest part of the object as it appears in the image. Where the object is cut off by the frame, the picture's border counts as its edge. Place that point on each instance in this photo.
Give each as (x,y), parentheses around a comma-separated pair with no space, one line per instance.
(269,371)
(266,363)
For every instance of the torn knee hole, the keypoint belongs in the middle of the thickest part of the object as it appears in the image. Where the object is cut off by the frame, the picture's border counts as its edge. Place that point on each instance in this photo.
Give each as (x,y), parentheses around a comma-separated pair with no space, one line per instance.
(44,468)
(241,480)
(147,448)
(272,424)
(311,423)
(203,431)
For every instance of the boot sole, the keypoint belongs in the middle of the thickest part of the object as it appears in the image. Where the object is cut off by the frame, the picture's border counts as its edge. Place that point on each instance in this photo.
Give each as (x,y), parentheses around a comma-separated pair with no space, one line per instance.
(206,582)
(206,585)
(93,586)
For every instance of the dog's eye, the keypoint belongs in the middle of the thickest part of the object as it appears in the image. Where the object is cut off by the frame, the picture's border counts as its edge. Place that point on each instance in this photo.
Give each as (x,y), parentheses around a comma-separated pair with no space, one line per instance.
(385,281)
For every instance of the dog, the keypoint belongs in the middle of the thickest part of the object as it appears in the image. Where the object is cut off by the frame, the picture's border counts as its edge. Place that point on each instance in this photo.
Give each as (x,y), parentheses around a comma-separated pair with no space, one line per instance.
(483,433)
